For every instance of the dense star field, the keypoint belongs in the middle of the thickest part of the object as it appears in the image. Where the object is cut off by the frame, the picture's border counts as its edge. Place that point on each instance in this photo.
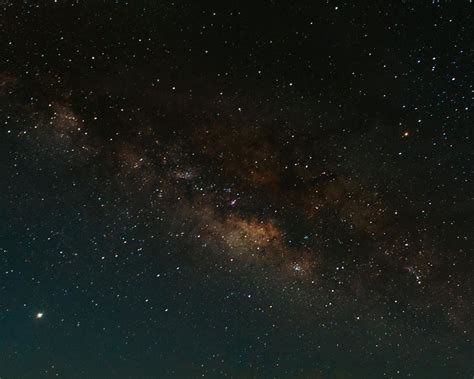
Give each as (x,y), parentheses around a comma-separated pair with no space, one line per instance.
(226,189)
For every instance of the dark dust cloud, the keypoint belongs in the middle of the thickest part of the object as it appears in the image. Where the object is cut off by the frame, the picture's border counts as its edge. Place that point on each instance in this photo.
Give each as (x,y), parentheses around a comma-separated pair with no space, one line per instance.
(223,189)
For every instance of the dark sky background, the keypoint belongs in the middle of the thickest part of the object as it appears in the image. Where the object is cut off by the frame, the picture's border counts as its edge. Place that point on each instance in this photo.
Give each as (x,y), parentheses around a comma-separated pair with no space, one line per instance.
(233,189)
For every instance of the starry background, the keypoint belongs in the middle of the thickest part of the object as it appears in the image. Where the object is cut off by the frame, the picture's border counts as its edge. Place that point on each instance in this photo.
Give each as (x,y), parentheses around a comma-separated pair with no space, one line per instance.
(222,189)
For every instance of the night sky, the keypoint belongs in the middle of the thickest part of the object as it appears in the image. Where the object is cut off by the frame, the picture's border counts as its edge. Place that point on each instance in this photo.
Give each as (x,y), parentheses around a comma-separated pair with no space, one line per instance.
(232,189)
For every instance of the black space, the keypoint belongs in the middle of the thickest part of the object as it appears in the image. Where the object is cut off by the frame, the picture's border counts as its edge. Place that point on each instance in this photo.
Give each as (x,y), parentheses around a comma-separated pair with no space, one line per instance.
(234,189)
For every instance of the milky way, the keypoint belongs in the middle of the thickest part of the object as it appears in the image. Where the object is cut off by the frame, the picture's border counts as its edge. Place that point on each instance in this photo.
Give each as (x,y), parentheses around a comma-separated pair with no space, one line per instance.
(208,192)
